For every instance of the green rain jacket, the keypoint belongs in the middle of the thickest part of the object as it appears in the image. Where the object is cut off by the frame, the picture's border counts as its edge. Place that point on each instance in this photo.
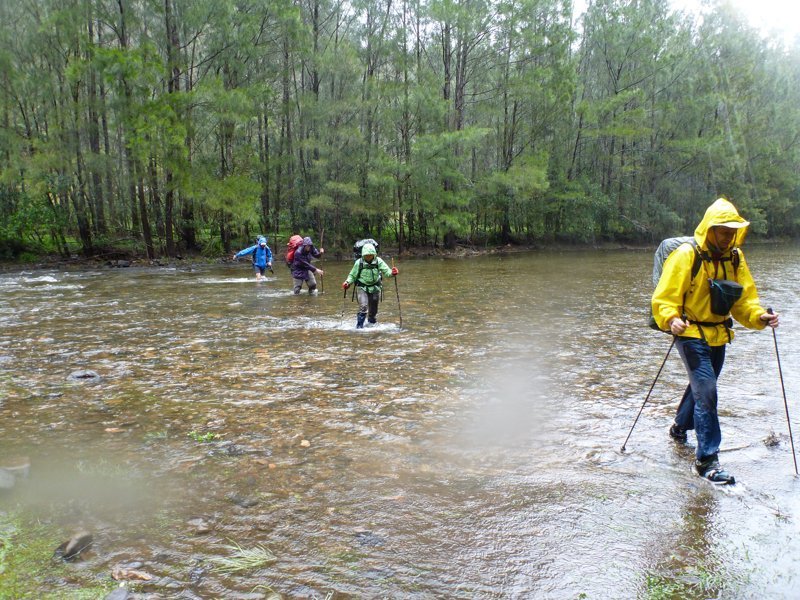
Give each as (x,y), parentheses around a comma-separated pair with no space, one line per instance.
(676,282)
(367,275)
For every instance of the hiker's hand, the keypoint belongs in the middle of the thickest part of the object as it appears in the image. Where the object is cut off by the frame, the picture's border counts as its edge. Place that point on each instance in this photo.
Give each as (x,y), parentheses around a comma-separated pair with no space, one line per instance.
(322,250)
(269,265)
(345,285)
(395,271)
(771,319)
(677,326)
(320,272)
(234,257)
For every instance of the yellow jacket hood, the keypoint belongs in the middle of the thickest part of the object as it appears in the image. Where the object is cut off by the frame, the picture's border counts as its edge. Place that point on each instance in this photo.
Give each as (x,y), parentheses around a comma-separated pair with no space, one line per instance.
(721,213)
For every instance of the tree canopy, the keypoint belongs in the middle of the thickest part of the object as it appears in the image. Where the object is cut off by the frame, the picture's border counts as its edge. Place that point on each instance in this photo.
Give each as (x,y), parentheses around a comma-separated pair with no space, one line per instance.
(182,126)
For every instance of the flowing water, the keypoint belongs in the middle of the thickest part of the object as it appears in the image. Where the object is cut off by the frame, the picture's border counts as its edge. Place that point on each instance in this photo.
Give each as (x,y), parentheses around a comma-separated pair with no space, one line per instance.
(472,453)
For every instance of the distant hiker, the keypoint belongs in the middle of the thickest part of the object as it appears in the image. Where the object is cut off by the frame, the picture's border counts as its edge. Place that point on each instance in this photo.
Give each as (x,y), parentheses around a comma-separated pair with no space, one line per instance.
(697,310)
(262,256)
(366,274)
(302,269)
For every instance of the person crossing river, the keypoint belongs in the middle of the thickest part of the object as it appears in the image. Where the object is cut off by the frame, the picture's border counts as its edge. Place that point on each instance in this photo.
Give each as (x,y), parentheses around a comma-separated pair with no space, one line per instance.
(697,308)
(262,256)
(366,274)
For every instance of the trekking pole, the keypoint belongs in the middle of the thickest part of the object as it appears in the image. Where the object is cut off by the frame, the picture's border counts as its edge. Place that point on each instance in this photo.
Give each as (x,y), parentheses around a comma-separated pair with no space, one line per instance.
(648,394)
(322,277)
(397,290)
(344,304)
(783,389)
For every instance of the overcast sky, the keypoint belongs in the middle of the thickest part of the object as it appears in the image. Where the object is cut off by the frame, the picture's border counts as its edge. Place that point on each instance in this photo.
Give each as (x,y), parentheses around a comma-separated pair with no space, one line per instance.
(780,17)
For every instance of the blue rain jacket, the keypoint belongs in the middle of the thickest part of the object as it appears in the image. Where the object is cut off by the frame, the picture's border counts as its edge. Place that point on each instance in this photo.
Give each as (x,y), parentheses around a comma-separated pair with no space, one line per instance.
(262,255)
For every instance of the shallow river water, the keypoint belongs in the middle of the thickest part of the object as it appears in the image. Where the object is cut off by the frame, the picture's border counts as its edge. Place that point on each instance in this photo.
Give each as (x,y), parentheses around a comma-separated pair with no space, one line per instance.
(472,453)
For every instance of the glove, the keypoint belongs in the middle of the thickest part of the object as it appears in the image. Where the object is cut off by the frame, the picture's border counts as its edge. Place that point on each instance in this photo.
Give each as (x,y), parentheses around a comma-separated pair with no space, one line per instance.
(345,285)
(395,271)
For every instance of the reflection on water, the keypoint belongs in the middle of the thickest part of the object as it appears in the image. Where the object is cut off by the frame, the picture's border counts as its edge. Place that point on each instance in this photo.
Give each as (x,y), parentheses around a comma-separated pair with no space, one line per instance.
(472,453)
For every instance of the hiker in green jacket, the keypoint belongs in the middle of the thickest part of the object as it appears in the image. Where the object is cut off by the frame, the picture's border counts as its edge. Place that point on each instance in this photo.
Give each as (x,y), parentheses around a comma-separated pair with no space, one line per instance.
(366,274)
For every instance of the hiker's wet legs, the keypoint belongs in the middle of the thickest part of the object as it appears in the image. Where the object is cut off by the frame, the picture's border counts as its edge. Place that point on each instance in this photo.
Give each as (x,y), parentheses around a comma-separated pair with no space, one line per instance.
(684,417)
(703,364)
(372,312)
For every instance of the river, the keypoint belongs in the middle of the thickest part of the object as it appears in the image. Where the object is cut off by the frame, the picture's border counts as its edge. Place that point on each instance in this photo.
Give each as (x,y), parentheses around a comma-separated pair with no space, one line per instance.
(472,453)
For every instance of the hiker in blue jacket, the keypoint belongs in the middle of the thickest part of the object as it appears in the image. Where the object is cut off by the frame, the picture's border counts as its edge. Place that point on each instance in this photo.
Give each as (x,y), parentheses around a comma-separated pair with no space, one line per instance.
(262,256)
(302,268)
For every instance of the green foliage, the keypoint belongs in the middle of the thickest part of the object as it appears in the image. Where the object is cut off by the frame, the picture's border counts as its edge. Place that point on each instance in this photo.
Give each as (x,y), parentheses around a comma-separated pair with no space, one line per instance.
(495,119)
(209,436)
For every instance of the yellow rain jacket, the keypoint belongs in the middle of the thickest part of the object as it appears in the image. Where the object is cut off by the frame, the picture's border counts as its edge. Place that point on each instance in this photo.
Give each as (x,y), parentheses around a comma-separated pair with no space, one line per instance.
(676,282)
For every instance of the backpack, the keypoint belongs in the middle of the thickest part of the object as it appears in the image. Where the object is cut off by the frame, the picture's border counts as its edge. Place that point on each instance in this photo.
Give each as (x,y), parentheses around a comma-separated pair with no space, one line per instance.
(294,243)
(360,244)
(667,247)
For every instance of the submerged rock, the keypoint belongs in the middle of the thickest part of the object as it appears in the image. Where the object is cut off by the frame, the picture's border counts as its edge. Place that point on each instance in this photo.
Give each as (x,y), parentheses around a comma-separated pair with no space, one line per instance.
(72,548)
(120,593)
(200,525)
(242,501)
(84,375)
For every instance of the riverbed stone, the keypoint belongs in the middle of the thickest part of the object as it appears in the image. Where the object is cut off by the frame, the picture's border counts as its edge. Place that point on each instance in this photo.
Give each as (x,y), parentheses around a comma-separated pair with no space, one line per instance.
(83,375)
(73,547)
(200,525)
(120,593)
(243,501)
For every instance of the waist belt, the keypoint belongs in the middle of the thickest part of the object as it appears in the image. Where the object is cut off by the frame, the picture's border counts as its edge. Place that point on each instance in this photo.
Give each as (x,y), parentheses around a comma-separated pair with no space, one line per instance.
(728,323)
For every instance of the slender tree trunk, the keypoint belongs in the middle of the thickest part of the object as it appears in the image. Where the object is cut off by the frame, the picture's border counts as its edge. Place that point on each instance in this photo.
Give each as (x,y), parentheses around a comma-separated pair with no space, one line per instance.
(147,232)
(94,140)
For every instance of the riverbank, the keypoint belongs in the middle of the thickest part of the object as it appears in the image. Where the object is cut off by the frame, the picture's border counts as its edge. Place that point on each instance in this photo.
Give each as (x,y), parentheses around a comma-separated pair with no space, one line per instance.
(78,263)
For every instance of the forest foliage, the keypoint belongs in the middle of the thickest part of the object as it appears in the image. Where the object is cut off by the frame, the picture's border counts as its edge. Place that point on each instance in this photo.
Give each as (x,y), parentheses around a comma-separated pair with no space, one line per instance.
(167,127)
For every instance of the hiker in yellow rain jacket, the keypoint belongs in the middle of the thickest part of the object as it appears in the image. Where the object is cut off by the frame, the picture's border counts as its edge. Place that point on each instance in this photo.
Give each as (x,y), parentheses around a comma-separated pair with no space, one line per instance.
(697,310)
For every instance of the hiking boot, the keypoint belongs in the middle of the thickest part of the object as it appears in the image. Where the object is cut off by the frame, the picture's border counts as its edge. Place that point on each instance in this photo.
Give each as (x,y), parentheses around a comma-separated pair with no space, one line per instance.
(360,321)
(678,434)
(711,470)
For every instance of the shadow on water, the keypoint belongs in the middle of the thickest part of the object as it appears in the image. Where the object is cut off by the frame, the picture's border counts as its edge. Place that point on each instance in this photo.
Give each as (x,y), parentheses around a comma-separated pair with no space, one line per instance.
(472,453)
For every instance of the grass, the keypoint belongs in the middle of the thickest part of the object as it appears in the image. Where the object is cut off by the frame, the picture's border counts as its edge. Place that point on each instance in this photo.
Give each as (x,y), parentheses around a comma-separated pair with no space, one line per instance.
(243,559)
(27,567)
(203,437)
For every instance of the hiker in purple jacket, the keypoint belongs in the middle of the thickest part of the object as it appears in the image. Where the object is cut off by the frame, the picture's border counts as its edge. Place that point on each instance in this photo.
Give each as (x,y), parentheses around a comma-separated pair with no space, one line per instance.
(303,270)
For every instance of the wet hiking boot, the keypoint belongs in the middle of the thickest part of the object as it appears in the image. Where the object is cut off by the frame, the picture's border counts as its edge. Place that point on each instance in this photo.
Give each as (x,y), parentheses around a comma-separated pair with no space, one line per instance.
(711,470)
(372,320)
(678,434)
(360,321)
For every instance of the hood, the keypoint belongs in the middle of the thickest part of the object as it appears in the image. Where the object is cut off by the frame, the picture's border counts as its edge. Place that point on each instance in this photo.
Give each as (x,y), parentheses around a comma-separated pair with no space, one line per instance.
(307,241)
(262,240)
(721,212)
(368,249)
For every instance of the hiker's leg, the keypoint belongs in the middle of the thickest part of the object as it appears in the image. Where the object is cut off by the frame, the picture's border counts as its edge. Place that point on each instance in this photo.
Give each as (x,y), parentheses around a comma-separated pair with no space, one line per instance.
(703,363)
(312,283)
(363,304)
(684,416)
(373,307)
(298,284)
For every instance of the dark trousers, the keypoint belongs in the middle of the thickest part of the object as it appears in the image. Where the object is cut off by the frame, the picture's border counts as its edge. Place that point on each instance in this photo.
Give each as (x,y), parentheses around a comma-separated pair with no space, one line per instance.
(698,407)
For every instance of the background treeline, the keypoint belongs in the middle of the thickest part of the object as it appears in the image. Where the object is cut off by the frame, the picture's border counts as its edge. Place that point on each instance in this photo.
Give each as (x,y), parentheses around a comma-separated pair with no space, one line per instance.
(173,126)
